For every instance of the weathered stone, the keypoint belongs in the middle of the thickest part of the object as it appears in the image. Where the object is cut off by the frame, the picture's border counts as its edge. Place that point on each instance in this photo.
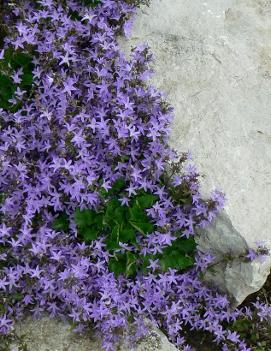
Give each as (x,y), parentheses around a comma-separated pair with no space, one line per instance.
(48,334)
(231,271)
(213,62)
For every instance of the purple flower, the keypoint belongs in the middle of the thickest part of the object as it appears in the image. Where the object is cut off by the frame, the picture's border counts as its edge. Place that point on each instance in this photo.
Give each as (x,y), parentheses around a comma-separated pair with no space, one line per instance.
(233,336)
(92,120)
(5,324)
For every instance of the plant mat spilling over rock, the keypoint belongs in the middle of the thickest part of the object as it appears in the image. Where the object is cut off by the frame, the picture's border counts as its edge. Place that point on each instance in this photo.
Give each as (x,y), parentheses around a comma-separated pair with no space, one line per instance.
(98,214)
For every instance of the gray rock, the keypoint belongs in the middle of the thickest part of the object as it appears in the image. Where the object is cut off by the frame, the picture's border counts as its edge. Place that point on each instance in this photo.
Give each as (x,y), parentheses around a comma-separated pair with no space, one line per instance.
(213,63)
(48,334)
(231,272)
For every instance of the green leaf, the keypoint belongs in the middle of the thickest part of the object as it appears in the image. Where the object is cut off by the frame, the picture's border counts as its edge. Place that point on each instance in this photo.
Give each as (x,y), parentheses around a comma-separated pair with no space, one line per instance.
(119,234)
(111,206)
(115,213)
(124,158)
(112,242)
(8,54)
(177,261)
(185,200)
(27,79)
(145,261)
(180,255)
(116,233)
(103,193)
(127,234)
(117,187)
(184,245)
(92,3)
(84,218)
(242,325)
(98,219)
(120,215)
(113,238)
(7,87)
(89,224)
(61,223)
(15,108)
(74,15)
(131,264)
(143,227)
(20,59)
(90,233)
(17,296)
(123,264)
(2,198)
(117,264)
(146,201)
(136,214)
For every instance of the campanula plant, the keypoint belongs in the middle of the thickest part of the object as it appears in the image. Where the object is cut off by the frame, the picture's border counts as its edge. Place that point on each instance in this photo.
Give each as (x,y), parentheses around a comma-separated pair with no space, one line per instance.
(98,213)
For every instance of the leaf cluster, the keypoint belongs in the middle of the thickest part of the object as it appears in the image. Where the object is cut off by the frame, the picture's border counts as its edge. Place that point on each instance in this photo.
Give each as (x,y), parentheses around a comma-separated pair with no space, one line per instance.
(121,224)
(11,62)
(255,333)
(180,194)
(91,3)
(180,255)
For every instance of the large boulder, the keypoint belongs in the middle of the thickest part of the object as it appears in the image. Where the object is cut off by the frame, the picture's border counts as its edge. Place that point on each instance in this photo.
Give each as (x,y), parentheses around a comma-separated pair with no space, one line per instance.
(213,62)
(47,334)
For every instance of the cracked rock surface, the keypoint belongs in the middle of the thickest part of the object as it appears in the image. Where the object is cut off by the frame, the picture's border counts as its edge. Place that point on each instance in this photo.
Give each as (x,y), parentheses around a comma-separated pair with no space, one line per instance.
(48,334)
(213,63)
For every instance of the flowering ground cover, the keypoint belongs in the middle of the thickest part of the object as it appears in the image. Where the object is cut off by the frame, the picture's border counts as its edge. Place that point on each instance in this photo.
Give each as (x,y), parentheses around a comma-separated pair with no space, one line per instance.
(98,214)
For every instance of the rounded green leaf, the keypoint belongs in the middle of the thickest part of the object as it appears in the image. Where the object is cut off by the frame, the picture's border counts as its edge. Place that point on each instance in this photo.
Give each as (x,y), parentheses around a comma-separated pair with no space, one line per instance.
(127,234)
(84,218)
(61,223)
(117,264)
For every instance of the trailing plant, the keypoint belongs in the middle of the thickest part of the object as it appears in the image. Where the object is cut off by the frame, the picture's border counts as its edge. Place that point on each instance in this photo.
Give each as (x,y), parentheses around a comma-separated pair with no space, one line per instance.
(98,214)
